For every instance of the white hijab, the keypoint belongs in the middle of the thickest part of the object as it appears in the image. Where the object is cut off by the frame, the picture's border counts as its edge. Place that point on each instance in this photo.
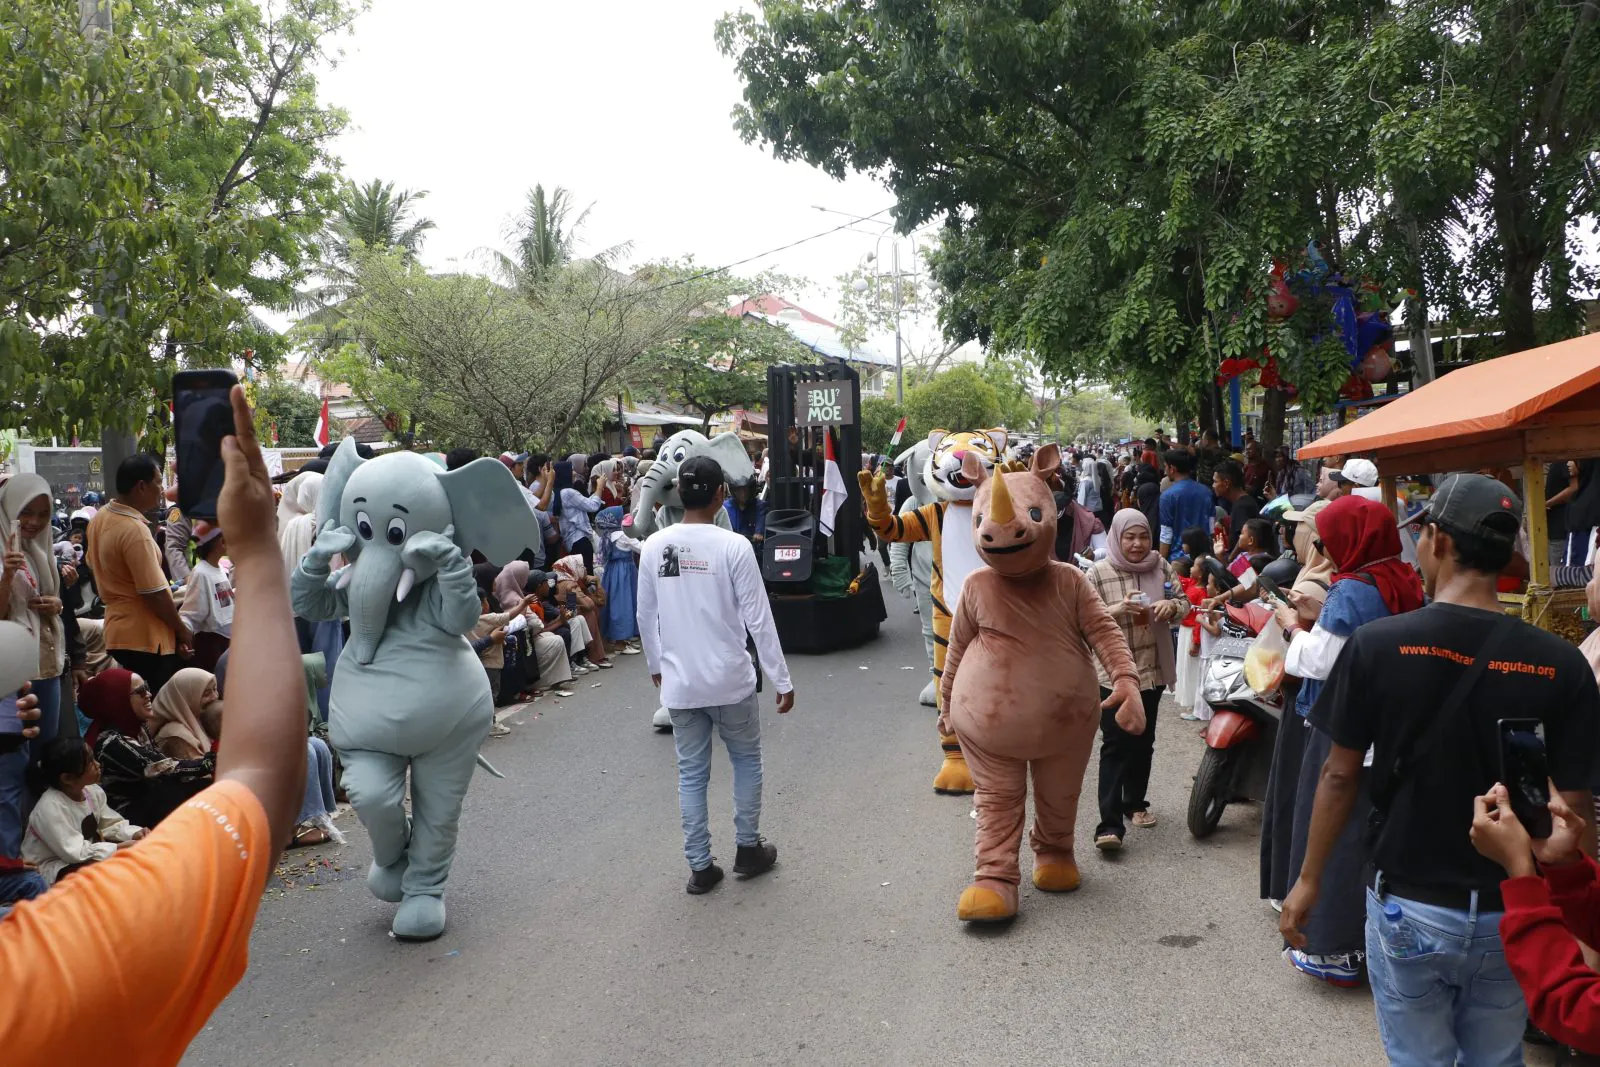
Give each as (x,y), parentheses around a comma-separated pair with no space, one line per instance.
(297,517)
(42,578)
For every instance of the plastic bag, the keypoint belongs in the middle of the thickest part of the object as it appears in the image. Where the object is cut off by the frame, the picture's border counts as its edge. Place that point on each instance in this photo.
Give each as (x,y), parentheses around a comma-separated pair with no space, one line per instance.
(1263,663)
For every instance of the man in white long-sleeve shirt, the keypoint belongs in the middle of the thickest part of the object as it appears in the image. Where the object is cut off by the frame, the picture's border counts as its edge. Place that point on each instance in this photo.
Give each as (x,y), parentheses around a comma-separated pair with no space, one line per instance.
(700,592)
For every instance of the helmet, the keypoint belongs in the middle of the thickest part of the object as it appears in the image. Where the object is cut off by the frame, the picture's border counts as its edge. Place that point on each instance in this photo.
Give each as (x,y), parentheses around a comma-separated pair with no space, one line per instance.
(91,499)
(1283,570)
(82,515)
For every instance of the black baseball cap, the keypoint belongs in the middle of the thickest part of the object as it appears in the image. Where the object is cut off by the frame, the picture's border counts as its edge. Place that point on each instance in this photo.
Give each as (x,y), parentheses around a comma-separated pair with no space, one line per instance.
(698,480)
(1474,504)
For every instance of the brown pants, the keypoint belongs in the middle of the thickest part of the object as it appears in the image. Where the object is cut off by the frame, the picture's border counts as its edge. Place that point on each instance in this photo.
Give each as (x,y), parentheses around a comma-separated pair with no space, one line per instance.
(1002,797)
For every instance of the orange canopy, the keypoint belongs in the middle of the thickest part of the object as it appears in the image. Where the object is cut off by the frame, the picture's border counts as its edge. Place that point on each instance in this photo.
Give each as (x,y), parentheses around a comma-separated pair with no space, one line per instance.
(1487,406)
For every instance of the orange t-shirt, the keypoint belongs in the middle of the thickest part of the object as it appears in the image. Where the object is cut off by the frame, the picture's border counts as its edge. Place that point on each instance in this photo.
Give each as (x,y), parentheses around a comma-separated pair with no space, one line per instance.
(148,941)
(126,562)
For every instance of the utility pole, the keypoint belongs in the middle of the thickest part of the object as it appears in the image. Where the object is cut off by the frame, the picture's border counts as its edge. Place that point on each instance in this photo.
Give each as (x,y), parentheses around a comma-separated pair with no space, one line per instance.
(94,20)
(899,365)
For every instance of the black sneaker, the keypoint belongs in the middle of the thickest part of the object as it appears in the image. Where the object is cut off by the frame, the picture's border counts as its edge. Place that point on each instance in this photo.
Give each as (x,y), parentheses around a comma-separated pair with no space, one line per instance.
(704,880)
(752,860)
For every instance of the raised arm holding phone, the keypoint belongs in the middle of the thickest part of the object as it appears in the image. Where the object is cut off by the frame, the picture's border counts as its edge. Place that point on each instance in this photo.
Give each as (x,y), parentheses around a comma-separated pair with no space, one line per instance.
(156,936)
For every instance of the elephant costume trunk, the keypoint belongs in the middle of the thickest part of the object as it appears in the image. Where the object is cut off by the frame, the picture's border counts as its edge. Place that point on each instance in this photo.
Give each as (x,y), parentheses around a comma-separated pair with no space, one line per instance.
(372,594)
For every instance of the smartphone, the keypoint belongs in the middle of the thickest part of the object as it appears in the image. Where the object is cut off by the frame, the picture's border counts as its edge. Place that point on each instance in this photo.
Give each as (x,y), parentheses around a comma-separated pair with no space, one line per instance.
(1526,773)
(572,602)
(1271,588)
(202,415)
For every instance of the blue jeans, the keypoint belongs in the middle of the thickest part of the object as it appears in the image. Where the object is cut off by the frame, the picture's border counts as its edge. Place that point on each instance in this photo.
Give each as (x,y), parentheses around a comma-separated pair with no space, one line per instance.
(740,727)
(319,799)
(22,885)
(1454,1001)
(16,801)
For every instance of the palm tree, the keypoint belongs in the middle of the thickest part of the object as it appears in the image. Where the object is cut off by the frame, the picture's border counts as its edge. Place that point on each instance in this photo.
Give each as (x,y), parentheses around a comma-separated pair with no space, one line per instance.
(375,216)
(543,240)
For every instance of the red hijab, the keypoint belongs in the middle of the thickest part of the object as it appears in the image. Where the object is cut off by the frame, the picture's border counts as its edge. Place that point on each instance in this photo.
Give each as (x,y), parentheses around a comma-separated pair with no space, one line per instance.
(1363,540)
(107,699)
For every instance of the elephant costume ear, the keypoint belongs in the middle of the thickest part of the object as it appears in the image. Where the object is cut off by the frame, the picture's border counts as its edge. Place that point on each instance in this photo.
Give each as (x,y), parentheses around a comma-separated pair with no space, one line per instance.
(343,464)
(489,511)
(730,455)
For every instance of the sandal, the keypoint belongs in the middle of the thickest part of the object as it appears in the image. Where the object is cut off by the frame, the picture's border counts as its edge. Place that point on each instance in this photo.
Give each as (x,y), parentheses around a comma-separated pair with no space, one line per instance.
(308,835)
(1143,819)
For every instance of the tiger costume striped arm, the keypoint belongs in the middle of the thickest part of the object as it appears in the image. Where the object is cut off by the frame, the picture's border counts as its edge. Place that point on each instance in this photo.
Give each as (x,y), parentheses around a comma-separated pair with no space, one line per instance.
(924,524)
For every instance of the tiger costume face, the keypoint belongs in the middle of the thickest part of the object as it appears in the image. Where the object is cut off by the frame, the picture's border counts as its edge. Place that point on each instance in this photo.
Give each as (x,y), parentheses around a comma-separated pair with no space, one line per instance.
(948,450)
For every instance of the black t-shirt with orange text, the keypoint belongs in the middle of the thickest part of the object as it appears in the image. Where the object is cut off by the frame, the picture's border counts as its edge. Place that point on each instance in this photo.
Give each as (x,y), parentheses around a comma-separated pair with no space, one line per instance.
(1395,670)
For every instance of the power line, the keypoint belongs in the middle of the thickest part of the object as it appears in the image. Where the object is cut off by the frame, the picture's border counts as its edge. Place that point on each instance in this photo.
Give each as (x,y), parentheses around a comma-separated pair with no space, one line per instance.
(764,255)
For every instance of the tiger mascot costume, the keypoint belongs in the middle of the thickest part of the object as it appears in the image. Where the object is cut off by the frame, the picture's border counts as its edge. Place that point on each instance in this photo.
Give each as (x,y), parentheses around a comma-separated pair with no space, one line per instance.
(947,525)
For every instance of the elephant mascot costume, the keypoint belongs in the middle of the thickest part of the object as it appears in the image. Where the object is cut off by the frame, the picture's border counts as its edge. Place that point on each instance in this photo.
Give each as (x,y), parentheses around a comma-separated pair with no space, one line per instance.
(911,564)
(409,694)
(659,503)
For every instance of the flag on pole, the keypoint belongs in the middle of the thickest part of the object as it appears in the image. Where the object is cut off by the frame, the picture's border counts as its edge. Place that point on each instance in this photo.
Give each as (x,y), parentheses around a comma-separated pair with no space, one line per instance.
(899,429)
(833,490)
(321,435)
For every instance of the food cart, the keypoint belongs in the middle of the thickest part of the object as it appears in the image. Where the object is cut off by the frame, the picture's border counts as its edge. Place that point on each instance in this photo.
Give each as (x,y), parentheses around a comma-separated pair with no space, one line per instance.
(1522,410)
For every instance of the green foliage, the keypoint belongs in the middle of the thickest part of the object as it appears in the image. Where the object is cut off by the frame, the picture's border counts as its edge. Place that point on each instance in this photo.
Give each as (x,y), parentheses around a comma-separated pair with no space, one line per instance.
(159,182)
(1115,181)
(956,399)
(464,360)
(293,410)
(717,363)
(879,416)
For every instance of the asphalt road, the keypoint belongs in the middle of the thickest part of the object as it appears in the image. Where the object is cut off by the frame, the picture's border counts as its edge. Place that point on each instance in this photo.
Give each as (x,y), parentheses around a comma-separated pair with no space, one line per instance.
(571,940)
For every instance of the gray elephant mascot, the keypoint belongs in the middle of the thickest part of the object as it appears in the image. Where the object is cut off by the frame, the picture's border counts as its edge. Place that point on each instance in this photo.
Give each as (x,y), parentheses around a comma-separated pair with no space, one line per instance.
(911,564)
(409,697)
(659,503)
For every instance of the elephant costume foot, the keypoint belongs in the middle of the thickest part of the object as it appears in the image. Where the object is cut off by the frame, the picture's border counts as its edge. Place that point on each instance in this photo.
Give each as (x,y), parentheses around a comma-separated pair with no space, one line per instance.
(662,720)
(384,882)
(930,695)
(419,919)
(954,778)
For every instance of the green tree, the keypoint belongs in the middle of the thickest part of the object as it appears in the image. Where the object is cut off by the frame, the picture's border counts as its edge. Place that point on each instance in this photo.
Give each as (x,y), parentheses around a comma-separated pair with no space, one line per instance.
(292,410)
(158,182)
(463,360)
(879,416)
(955,399)
(718,363)
(544,238)
(82,123)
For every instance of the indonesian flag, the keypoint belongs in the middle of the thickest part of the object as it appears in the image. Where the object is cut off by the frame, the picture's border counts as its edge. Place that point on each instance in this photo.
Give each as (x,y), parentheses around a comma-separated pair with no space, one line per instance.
(321,435)
(899,429)
(833,490)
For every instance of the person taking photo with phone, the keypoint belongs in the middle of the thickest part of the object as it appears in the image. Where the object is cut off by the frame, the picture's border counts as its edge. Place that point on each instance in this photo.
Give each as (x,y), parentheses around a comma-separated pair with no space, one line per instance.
(1426,691)
(143,631)
(158,934)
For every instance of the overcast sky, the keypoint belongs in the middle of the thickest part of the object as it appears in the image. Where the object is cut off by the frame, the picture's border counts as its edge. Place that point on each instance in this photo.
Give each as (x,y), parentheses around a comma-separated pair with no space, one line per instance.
(625,102)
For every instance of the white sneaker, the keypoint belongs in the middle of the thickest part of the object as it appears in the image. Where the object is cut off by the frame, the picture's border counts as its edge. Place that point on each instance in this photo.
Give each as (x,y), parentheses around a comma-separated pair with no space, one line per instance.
(499,729)
(629,650)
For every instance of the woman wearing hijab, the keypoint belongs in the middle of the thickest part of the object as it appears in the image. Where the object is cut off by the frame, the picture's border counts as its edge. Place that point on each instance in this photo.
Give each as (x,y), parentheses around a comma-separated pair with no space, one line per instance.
(547,637)
(1134,569)
(178,715)
(30,595)
(297,529)
(569,505)
(140,781)
(619,579)
(1360,542)
(572,577)
(1308,593)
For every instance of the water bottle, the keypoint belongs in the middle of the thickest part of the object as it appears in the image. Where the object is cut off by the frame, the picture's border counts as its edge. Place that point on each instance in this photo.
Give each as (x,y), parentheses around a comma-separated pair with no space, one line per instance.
(1400,939)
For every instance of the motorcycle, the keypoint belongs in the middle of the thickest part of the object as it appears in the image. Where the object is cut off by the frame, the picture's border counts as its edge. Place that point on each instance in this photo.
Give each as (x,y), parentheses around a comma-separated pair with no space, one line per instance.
(1243,730)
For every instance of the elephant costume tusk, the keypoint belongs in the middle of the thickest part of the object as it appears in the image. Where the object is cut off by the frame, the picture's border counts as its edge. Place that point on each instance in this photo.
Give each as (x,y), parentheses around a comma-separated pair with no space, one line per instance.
(407,578)
(342,579)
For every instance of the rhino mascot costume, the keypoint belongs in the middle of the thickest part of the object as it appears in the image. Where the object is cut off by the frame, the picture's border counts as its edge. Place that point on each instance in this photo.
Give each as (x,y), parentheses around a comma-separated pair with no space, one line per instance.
(659,503)
(410,696)
(911,565)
